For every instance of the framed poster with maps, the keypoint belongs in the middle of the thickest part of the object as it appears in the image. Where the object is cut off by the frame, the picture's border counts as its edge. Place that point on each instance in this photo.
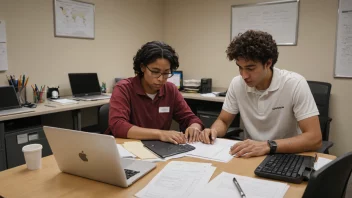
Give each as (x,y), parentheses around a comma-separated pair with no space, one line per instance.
(74,19)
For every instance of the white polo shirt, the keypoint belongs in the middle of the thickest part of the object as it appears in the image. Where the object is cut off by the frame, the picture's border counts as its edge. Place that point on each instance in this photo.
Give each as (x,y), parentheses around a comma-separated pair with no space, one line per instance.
(273,113)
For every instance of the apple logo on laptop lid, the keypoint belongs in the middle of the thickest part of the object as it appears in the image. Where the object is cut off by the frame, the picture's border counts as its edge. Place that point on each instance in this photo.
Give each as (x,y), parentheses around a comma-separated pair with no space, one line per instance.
(83,156)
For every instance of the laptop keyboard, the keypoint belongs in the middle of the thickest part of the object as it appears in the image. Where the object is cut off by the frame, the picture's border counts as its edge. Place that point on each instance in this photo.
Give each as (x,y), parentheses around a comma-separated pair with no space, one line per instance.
(129,173)
(285,167)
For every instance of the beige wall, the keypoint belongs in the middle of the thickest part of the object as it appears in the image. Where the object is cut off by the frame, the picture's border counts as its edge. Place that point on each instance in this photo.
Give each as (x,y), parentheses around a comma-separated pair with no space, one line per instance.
(121,27)
(200,32)
(198,29)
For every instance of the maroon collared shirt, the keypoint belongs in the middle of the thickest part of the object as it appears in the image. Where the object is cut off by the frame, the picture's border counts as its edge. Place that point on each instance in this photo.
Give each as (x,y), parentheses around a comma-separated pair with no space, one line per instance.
(130,106)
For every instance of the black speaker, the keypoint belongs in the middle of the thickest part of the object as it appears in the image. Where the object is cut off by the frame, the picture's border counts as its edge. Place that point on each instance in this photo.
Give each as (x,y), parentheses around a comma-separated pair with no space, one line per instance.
(205,86)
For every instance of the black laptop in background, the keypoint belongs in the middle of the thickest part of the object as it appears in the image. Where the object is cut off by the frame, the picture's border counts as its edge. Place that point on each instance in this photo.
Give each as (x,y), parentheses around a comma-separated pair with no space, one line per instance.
(9,103)
(85,86)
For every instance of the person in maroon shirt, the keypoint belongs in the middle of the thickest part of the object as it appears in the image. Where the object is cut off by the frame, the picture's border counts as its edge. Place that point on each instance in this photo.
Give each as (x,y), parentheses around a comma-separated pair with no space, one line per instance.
(142,107)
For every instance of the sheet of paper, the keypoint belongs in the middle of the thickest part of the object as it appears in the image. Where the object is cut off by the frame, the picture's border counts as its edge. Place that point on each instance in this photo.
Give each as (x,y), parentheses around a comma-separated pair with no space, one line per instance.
(178,179)
(139,150)
(219,151)
(223,186)
(3,57)
(123,152)
(321,162)
(65,101)
(208,95)
(2,31)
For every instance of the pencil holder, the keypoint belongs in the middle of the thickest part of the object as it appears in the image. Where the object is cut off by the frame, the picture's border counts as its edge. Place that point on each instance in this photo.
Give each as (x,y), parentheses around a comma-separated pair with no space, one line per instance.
(22,95)
(39,96)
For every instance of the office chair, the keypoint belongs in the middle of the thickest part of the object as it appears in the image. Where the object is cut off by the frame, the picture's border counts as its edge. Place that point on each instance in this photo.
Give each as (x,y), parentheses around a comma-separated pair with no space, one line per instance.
(103,118)
(331,180)
(321,93)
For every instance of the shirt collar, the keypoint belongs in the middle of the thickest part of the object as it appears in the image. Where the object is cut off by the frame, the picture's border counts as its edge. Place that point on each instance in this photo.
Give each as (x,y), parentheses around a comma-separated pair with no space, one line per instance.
(137,85)
(274,84)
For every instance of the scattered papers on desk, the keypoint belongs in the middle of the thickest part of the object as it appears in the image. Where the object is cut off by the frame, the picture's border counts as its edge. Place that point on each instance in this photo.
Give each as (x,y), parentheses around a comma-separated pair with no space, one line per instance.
(321,162)
(178,179)
(219,151)
(65,101)
(223,186)
(208,95)
(138,149)
(123,152)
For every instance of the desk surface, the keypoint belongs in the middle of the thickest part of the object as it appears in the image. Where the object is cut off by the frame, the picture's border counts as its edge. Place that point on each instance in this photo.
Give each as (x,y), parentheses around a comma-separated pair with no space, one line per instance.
(198,96)
(42,109)
(50,182)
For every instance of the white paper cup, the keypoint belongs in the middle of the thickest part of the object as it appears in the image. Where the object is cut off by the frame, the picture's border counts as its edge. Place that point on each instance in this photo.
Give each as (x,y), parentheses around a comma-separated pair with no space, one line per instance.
(33,156)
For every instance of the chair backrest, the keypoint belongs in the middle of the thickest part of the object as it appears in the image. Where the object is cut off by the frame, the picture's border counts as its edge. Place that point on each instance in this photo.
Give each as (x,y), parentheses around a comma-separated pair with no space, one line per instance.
(331,180)
(103,118)
(321,93)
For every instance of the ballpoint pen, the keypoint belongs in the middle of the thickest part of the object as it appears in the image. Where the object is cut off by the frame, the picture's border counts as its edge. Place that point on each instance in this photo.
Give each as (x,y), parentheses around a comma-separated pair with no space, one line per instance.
(239,188)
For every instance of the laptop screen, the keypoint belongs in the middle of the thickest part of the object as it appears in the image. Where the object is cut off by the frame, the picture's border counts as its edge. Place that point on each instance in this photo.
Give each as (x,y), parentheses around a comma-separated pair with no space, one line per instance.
(8,98)
(83,84)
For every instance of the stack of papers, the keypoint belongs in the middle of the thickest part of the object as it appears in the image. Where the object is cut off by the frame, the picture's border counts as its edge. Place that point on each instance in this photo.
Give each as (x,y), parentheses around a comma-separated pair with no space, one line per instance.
(65,101)
(178,179)
(123,152)
(219,151)
(223,186)
(138,149)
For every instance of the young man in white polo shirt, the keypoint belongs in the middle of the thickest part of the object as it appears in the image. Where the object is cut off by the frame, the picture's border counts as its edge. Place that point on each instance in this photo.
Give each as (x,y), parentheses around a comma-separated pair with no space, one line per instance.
(277,107)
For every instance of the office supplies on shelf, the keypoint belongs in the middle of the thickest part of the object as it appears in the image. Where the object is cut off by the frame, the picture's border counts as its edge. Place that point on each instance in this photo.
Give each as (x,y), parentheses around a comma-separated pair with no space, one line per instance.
(165,149)
(286,167)
(178,179)
(222,186)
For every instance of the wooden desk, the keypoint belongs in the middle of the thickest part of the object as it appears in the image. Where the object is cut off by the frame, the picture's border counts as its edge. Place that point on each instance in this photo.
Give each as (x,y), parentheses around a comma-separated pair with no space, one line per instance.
(50,182)
(43,110)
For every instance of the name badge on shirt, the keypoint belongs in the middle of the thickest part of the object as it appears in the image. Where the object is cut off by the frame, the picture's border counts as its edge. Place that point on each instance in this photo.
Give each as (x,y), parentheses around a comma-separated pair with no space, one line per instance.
(164,109)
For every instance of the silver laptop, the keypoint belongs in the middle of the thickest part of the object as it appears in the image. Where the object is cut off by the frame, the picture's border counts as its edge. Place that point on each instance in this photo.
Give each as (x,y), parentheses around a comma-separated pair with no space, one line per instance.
(94,156)
(85,86)
(9,103)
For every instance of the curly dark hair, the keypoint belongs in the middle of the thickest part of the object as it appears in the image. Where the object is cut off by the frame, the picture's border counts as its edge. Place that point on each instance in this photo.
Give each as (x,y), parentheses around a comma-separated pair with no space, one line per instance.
(253,45)
(151,51)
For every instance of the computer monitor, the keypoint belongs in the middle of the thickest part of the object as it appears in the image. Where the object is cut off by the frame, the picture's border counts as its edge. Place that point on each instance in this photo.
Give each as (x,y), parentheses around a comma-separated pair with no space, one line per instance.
(177,79)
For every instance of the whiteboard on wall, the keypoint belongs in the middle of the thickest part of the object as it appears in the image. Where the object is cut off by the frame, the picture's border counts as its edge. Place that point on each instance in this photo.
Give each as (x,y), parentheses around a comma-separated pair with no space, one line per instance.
(343,56)
(279,18)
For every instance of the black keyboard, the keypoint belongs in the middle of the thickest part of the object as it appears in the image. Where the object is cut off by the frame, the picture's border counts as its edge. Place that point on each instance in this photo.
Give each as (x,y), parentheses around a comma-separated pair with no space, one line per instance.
(164,149)
(286,167)
(129,173)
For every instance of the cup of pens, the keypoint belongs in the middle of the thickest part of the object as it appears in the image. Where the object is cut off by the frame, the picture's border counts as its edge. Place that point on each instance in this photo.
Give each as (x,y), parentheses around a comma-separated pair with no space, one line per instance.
(39,94)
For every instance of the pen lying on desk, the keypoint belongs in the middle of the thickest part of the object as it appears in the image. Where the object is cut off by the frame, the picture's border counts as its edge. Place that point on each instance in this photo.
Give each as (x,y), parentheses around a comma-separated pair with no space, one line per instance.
(239,188)
(49,105)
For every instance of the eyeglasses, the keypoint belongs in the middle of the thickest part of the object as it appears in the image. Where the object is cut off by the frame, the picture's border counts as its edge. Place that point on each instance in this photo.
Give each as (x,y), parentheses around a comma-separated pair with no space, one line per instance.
(156,74)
